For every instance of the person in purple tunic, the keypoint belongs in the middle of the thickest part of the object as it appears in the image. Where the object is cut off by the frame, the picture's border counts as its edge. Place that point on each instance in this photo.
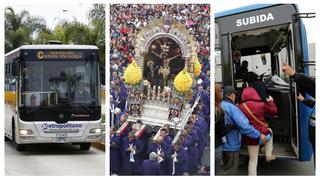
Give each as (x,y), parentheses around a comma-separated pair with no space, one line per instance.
(199,121)
(186,139)
(166,138)
(115,154)
(163,152)
(200,144)
(171,131)
(150,167)
(179,165)
(202,132)
(206,82)
(187,144)
(199,91)
(158,146)
(194,152)
(131,155)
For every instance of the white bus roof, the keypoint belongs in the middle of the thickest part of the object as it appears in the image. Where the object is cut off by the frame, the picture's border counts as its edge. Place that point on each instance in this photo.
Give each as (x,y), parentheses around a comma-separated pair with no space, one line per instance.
(57,47)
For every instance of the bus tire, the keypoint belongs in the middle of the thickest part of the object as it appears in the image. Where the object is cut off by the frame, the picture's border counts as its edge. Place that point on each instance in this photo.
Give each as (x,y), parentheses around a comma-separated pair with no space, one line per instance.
(13,132)
(21,147)
(85,146)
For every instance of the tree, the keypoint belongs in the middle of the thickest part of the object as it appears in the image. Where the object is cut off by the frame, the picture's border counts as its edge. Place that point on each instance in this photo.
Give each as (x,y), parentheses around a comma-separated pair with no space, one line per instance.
(97,12)
(97,18)
(21,28)
(78,33)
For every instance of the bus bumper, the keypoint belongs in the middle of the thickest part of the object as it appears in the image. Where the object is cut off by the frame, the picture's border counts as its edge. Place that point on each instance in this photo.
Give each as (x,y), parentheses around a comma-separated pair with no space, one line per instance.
(40,140)
(51,132)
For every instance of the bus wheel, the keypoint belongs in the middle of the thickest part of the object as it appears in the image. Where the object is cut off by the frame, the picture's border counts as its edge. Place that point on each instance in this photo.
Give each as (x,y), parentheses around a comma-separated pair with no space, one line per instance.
(85,146)
(13,132)
(21,147)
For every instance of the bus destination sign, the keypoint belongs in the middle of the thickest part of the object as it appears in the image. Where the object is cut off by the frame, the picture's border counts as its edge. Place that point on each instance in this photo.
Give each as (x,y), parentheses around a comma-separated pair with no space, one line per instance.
(60,55)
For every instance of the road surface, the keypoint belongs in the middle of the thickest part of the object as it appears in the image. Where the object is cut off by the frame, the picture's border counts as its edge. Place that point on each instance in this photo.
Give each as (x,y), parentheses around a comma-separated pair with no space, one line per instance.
(281,167)
(54,159)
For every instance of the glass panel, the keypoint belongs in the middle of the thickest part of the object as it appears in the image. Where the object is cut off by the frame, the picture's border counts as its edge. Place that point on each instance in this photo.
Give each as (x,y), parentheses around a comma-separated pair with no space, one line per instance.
(216,35)
(218,67)
(54,83)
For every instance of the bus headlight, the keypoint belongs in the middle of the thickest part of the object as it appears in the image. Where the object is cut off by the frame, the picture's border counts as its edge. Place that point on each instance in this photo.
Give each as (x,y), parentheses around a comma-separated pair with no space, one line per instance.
(95,131)
(24,132)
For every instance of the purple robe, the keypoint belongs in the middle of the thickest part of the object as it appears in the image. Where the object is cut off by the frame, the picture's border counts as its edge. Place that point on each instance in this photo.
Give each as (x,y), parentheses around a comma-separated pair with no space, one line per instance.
(115,154)
(166,150)
(181,165)
(129,167)
(201,143)
(202,124)
(150,168)
(168,141)
(194,151)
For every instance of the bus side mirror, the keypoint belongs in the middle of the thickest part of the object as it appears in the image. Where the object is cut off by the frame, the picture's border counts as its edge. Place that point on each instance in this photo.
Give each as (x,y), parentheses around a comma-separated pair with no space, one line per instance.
(15,69)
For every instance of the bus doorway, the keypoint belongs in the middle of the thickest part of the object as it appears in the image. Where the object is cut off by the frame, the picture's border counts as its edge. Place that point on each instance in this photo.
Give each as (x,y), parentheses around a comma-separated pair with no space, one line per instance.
(263,51)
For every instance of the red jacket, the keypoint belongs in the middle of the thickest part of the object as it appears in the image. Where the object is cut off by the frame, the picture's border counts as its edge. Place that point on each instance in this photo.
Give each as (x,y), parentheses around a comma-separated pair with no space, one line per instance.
(259,108)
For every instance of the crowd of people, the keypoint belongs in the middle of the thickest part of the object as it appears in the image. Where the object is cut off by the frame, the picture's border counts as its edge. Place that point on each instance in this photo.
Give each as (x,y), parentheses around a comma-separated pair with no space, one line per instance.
(151,153)
(127,20)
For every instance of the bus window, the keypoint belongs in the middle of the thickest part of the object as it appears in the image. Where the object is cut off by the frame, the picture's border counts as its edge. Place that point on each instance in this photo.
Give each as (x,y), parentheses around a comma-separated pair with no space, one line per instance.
(282,55)
(218,67)
(311,66)
(14,68)
(67,83)
(258,63)
(10,76)
(216,35)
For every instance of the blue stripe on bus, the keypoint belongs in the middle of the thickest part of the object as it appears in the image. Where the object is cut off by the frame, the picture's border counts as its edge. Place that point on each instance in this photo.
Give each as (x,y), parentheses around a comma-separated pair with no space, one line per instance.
(305,145)
(304,42)
(305,112)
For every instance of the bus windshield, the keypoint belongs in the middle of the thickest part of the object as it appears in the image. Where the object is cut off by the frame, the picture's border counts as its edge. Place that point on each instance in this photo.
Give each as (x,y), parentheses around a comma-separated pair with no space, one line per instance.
(59,83)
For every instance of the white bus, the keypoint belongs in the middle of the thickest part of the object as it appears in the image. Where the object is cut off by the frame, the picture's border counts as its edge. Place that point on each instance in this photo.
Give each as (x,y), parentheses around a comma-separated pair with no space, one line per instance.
(52,95)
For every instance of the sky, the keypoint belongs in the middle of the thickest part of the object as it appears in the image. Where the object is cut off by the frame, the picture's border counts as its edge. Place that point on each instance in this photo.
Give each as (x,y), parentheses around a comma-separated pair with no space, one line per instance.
(56,13)
(304,6)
